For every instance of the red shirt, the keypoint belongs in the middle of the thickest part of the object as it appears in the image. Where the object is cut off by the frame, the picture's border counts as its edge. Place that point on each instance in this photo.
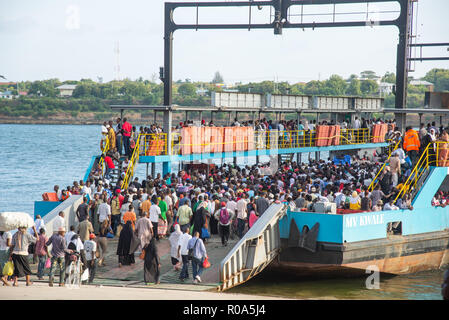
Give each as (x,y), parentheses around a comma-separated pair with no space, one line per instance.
(120,200)
(127,128)
(109,162)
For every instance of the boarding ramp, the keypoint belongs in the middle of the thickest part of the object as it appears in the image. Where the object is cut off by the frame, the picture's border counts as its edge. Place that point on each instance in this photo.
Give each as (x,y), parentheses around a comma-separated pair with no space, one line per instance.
(258,247)
(69,207)
(435,155)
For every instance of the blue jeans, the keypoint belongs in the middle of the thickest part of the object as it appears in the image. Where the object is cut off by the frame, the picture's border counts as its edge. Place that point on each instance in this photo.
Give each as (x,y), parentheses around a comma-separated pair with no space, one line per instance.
(41,266)
(240,227)
(185,267)
(115,221)
(197,267)
(118,143)
(126,145)
(107,173)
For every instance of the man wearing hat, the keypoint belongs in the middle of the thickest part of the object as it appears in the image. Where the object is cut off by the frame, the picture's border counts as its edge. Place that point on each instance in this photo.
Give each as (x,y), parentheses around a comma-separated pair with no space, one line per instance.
(378,206)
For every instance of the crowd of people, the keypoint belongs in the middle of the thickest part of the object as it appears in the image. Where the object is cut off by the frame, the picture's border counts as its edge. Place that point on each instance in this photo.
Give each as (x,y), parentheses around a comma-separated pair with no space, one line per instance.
(189,207)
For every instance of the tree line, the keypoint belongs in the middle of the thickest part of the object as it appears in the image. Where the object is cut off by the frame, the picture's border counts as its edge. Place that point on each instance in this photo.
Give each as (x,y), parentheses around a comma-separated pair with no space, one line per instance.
(43,100)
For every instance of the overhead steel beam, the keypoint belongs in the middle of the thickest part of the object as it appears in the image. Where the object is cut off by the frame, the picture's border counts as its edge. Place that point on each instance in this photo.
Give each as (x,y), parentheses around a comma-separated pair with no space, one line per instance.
(280,21)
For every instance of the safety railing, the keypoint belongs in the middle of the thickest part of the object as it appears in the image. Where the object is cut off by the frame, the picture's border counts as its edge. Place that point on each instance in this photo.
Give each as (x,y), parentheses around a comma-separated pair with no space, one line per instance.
(276,139)
(258,247)
(104,151)
(132,164)
(153,144)
(375,181)
(435,154)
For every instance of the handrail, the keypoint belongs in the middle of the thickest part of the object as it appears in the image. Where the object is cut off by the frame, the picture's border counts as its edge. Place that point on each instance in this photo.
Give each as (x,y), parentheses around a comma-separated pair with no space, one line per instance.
(284,139)
(103,153)
(372,185)
(132,163)
(418,166)
(258,247)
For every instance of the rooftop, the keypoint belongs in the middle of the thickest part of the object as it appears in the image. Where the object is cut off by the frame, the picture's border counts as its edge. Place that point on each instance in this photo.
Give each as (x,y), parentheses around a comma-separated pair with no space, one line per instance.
(67,87)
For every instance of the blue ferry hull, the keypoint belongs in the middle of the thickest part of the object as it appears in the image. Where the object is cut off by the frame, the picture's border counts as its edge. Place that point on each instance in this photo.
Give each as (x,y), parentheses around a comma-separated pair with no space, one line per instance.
(347,244)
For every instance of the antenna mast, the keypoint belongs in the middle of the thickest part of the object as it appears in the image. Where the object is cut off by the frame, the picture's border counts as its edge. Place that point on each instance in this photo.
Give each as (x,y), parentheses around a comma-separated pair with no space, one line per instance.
(117,66)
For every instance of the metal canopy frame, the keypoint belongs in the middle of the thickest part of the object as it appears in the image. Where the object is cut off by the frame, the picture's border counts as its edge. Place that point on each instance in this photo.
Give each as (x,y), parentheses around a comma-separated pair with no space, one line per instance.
(281,20)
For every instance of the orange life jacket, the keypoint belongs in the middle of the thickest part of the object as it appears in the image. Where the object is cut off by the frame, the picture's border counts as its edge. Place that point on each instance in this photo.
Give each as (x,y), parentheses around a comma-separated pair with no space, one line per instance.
(411,141)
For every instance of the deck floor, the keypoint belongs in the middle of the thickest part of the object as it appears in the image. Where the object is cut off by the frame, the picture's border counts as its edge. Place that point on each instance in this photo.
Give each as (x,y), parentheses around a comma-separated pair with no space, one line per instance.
(132,276)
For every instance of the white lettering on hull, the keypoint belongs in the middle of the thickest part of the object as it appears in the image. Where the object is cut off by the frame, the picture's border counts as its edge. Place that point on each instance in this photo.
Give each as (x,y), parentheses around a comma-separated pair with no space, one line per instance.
(360,221)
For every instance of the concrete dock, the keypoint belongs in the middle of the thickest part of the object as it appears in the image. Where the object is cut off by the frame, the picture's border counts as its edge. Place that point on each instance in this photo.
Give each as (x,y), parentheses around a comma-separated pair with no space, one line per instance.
(127,282)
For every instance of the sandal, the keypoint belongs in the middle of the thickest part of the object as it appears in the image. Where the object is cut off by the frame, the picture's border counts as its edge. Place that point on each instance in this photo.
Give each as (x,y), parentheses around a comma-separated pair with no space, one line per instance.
(29,284)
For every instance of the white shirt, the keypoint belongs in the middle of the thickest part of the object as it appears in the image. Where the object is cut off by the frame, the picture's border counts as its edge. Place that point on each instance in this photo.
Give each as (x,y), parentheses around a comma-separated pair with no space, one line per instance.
(104,210)
(401,154)
(169,201)
(39,224)
(155,211)
(211,207)
(3,240)
(86,190)
(241,209)
(78,243)
(175,197)
(68,237)
(59,222)
(90,247)
(387,206)
(231,205)
(58,194)
(183,242)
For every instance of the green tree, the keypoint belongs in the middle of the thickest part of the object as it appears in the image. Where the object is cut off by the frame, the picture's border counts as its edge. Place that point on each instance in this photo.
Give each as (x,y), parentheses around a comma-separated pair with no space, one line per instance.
(389,77)
(369,87)
(439,77)
(368,74)
(187,89)
(354,88)
(314,87)
(335,85)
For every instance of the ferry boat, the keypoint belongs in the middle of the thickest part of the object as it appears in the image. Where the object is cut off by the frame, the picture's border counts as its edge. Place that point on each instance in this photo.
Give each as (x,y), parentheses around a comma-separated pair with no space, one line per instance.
(348,244)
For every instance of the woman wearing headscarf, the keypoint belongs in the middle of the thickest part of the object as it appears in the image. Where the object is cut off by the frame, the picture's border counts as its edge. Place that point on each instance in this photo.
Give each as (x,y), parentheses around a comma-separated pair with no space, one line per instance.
(124,244)
(162,222)
(144,230)
(443,149)
(174,239)
(429,140)
(199,218)
(152,264)
(19,254)
(354,201)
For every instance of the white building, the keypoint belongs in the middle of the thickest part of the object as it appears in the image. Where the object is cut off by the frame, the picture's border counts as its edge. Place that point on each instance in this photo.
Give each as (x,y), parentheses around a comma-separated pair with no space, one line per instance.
(66,90)
(6,95)
(385,88)
(426,84)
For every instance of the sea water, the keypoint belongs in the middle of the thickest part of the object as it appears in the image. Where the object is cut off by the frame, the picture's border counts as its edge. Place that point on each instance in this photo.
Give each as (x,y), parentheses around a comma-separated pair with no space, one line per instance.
(34,158)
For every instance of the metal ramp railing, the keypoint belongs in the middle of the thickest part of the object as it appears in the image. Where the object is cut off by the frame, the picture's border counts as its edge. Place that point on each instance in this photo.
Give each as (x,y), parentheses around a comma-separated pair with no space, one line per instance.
(258,247)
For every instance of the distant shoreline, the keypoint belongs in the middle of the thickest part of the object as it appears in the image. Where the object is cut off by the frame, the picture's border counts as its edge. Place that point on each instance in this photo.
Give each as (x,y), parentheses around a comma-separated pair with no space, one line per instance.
(135,119)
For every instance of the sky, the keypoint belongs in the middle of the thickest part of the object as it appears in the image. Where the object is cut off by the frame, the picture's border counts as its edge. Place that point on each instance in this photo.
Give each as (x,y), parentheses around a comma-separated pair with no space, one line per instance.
(75,39)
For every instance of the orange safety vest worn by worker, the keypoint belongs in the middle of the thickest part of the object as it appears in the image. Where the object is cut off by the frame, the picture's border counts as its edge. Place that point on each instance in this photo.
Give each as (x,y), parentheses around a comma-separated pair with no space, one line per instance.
(411,140)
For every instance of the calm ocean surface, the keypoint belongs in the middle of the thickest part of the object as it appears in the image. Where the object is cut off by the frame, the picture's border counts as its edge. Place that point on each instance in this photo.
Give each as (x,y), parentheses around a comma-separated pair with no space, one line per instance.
(36,157)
